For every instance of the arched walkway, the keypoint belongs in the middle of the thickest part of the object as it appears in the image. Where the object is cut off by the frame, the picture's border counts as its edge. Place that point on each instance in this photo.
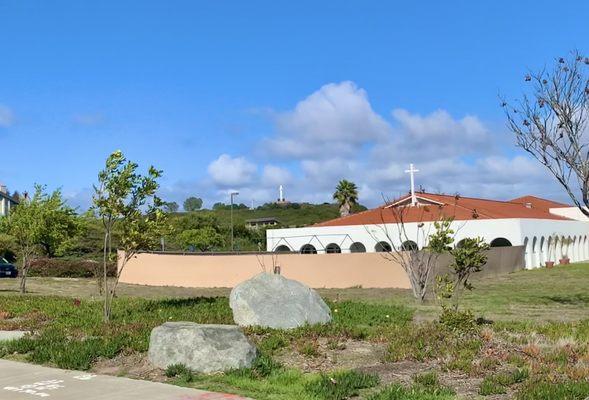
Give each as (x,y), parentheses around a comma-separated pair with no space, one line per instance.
(535,260)
(527,253)
(549,249)
(542,253)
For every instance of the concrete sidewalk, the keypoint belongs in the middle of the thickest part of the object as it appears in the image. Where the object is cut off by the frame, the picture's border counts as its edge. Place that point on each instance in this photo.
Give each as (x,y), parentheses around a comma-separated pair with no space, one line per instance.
(20,381)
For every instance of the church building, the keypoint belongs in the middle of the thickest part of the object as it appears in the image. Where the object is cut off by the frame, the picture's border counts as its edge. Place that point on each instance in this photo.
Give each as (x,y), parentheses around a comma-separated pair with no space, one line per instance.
(548,230)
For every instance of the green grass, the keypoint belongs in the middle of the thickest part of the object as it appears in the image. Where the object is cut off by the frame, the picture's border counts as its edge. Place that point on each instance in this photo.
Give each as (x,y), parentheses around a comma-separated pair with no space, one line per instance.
(400,392)
(73,336)
(555,391)
(341,385)
(498,383)
(521,296)
(540,333)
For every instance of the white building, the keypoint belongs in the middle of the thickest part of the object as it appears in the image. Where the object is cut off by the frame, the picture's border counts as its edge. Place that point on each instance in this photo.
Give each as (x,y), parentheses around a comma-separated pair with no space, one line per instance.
(548,230)
(6,201)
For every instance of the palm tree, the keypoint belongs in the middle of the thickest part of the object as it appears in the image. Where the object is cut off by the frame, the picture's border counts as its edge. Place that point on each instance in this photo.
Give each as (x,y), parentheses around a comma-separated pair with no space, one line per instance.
(346,194)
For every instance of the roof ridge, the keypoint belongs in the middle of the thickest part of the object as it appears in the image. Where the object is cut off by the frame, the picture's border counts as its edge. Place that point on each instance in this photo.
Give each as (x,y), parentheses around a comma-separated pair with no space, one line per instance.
(342,217)
(539,198)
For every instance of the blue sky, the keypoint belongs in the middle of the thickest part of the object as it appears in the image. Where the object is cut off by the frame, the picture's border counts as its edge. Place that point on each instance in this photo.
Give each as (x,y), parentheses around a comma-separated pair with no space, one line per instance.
(227,95)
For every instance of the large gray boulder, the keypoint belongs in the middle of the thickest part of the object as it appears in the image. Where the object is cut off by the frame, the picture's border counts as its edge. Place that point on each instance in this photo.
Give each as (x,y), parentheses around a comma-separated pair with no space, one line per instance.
(202,348)
(272,301)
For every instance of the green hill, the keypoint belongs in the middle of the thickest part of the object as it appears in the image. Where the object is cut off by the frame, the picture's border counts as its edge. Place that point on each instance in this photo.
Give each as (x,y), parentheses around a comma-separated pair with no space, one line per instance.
(291,215)
(307,214)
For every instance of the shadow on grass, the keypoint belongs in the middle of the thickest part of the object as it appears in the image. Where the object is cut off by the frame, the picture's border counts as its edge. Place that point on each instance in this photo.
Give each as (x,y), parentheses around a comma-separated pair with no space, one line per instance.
(186,302)
(573,299)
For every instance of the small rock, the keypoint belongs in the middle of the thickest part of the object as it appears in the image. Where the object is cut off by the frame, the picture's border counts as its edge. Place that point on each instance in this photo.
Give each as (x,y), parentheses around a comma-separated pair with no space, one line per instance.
(201,348)
(273,301)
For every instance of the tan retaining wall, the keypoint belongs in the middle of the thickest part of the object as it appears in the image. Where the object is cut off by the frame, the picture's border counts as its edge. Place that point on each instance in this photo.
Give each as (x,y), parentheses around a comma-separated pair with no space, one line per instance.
(368,270)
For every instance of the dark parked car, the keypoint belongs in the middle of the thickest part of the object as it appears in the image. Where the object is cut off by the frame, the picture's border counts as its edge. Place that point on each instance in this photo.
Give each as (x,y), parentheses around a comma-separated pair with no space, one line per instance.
(7,270)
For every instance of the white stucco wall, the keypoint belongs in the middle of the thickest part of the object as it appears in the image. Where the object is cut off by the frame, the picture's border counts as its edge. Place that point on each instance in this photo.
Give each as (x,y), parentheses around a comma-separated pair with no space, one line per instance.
(570,212)
(517,231)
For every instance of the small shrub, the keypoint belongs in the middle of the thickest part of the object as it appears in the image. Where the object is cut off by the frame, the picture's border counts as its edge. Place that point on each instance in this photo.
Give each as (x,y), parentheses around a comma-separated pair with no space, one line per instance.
(68,268)
(176,370)
(262,367)
(275,341)
(458,321)
(309,349)
(497,384)
(182,374)
(490,386)
(429,382)
(341,385)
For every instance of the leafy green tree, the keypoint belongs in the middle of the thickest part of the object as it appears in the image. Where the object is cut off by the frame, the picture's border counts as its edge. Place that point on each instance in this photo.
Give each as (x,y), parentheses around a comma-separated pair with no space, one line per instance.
(204,239)
(119,199)
(170,206)
(192,204)
(59,225)
(346,195)
(468,257)
(24,225)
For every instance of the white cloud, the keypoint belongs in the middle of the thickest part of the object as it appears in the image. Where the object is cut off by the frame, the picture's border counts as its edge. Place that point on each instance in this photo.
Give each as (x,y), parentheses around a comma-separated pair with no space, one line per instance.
(434,136)
(335,134)
(336,119)
(231,171)
(6,117)
(274,175)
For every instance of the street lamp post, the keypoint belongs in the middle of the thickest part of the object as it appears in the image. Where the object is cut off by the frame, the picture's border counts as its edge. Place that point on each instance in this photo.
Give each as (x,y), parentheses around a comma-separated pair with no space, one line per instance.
(232,194)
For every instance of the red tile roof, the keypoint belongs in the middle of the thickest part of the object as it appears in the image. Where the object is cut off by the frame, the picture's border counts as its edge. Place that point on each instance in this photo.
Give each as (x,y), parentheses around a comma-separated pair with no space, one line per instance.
(538,202)
(458,207)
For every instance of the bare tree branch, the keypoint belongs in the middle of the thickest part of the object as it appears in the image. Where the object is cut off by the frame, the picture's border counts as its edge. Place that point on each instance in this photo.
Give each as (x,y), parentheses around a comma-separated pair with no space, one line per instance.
(552,124)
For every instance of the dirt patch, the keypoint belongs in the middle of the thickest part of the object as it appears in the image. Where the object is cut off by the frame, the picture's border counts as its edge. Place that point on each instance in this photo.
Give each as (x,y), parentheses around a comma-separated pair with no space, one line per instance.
(133,365)
(330,356)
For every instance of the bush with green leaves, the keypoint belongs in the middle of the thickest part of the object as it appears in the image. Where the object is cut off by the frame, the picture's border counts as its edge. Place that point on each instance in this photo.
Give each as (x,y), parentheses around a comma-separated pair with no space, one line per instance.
(179,371)
(203,239)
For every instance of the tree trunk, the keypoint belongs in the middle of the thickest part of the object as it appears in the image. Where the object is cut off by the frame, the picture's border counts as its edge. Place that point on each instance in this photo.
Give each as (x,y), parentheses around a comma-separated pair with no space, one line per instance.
(106,313)
(23,275)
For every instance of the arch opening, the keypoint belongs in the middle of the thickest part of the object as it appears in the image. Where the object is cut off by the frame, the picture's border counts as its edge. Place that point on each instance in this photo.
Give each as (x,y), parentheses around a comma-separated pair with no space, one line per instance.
(409,245)
(357,247)
(308,249)
(333,248)
(500,242)
(282,249)
(382,247)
